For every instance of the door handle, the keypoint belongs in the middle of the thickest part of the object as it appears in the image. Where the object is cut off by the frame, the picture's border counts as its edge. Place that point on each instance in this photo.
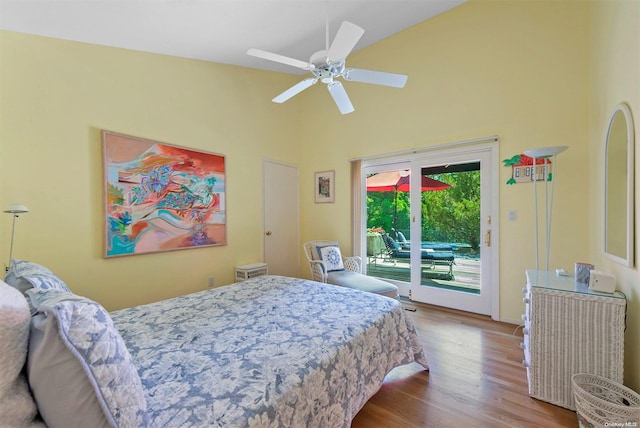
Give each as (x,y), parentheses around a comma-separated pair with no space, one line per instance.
(487,238)
(268,233)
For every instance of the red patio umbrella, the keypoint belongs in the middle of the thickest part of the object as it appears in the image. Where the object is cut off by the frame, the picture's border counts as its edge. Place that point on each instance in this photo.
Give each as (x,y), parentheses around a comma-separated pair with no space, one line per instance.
(398,181)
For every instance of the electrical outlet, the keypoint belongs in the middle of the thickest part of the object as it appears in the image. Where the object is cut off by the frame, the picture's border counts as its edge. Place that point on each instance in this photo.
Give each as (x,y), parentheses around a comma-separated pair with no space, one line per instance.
(211,281)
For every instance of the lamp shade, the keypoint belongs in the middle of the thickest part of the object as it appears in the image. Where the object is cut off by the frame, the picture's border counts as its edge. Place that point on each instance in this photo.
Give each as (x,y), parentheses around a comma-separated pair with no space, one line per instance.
(16,209)
(545,152)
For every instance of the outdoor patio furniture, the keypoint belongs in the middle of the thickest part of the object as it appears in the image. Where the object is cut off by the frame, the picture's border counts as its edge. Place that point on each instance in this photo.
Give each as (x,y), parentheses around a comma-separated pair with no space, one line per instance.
(375,246)
(435,258)
(327,265)
(430,256)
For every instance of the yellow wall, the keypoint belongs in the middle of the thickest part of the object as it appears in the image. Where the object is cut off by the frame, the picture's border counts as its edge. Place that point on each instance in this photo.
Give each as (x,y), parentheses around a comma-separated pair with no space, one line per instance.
(614,77)
(534,73)
(513,69)
(57,95)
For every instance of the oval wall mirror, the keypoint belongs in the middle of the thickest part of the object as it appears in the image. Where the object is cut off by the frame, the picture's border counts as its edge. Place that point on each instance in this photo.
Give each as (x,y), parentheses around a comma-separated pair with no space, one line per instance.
(618,187)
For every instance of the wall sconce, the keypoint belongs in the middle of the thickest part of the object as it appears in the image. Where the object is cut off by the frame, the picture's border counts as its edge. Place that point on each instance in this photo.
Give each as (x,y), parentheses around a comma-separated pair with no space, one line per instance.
(14,209)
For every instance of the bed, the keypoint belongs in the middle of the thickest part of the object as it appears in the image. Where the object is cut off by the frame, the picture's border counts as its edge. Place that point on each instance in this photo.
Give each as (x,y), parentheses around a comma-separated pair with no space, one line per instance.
(269,351)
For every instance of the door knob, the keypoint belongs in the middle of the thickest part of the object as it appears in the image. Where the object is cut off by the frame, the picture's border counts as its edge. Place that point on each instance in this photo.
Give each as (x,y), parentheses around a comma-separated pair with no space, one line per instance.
(268,233)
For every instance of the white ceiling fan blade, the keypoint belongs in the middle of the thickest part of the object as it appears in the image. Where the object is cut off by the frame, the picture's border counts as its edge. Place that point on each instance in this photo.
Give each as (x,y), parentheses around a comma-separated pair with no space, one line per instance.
(346,39)
(280,58)
(340,97)
(375,77)
(294,90)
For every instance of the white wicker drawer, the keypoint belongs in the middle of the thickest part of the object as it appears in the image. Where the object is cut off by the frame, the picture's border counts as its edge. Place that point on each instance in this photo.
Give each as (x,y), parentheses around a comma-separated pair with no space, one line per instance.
(570,333)
(245,272)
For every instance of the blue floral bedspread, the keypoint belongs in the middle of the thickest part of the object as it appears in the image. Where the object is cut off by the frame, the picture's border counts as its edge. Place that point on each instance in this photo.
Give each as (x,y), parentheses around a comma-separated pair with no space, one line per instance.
(268,352)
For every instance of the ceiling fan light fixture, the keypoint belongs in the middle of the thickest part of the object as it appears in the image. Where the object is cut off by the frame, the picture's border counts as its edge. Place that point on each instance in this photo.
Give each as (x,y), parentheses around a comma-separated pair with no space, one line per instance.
(328,64)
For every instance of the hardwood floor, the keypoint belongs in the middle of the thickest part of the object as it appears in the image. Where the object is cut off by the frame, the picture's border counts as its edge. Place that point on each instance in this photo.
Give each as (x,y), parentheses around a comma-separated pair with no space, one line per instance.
(476,379)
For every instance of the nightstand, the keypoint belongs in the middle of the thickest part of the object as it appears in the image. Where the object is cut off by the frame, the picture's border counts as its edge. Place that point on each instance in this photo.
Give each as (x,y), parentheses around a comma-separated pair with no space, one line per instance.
(244,272)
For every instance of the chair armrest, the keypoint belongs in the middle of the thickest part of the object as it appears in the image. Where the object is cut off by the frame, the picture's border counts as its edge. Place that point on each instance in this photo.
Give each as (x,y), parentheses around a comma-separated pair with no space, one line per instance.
(318,270)
(352,263)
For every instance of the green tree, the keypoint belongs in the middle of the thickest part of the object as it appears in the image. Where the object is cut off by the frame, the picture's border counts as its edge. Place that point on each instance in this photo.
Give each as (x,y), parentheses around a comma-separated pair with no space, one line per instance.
(450,215)
(454,212)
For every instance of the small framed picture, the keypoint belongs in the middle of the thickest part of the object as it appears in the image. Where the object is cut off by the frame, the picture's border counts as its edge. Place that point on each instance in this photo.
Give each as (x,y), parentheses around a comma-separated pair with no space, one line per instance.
(324,183)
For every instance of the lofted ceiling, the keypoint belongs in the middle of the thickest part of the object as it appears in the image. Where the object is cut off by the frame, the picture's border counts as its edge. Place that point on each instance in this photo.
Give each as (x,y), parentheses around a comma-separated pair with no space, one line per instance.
(216,30)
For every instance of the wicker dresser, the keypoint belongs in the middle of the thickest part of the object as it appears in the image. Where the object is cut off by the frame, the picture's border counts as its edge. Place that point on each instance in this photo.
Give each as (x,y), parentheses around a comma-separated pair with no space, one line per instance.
(569,329)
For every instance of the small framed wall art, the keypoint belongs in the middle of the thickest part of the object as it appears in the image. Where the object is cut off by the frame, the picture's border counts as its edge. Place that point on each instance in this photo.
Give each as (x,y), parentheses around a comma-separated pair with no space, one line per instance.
(161,197)
(324,186)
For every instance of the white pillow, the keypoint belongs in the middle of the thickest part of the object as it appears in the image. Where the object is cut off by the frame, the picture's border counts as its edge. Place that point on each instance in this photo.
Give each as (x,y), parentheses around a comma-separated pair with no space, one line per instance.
(330,254)
(17,408)
(79,368)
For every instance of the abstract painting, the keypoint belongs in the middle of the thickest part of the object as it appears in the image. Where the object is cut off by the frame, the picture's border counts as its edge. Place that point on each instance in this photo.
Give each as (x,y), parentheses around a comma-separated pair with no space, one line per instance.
(161,197)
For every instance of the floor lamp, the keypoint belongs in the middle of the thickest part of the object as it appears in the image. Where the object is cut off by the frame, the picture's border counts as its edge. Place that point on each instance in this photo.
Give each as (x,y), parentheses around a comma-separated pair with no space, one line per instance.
(14,209)
(544,153)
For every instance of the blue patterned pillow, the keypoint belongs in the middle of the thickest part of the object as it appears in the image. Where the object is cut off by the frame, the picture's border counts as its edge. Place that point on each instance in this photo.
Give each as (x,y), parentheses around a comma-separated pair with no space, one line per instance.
(79,369)
(25,275)
(330,254)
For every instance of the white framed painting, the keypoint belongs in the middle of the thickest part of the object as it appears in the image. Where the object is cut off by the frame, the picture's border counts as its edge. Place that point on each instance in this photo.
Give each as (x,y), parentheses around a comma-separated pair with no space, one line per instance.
(324,184)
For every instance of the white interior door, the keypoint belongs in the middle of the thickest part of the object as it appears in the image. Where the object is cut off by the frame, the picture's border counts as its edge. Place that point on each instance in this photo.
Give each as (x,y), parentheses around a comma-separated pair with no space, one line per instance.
(281,218)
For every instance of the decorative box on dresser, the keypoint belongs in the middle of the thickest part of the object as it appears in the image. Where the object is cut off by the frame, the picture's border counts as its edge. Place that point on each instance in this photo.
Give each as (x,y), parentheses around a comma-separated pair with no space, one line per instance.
(569,329)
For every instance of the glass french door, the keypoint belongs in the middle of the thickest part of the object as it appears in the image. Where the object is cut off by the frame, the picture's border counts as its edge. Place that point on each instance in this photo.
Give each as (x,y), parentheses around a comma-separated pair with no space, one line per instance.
(432,232)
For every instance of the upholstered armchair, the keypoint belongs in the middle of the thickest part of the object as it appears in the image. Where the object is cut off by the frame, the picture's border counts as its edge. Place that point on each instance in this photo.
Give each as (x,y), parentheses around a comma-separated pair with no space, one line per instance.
(327,265)
(319,267)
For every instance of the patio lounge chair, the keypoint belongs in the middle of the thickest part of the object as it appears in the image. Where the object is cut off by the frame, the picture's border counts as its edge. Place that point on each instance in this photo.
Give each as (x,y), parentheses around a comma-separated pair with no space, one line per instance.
(432,256)
(327,265)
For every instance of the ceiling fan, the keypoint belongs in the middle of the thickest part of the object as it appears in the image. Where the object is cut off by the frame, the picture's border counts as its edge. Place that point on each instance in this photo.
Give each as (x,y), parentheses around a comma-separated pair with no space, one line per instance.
(329,64)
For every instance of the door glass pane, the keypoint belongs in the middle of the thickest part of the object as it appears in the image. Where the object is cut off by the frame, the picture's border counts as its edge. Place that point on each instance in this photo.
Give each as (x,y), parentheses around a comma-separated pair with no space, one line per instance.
(450,235)
(449,238)
(388,224)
